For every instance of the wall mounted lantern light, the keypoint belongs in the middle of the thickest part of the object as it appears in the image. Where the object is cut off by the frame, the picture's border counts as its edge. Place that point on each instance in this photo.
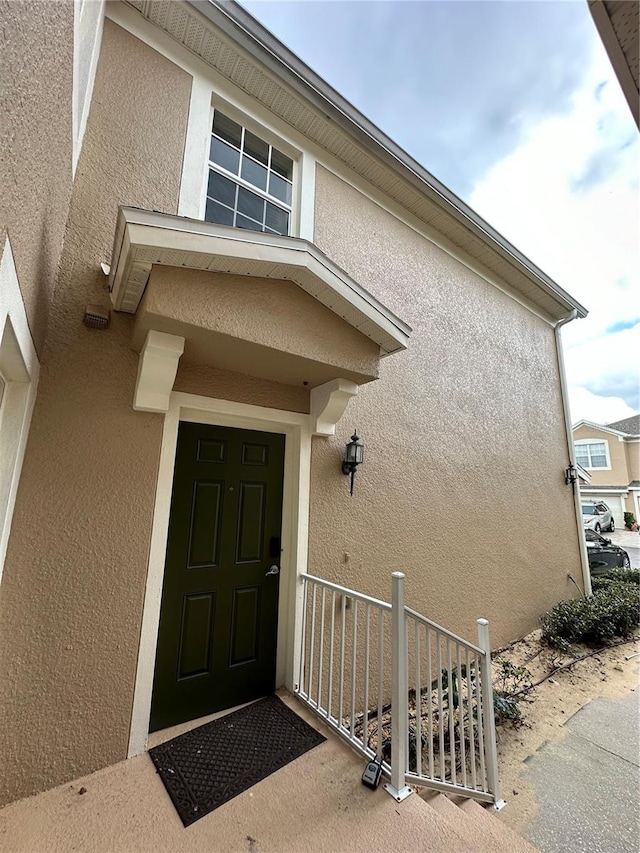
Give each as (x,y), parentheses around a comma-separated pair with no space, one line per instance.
(571,475)
(353,456)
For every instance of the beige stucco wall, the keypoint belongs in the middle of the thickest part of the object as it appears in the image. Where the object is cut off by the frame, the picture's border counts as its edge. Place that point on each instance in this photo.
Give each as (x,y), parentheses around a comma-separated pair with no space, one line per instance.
(618,474)
(257,326)
(632,450)
(463,485)
(72,590)
(35,145)
(228,385)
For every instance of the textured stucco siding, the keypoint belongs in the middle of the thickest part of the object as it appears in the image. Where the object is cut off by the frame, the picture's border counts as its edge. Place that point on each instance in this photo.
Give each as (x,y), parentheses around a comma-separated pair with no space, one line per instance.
(462,488)
(618,474)
(268,318)
(72,591)
(36,59)
(632,450)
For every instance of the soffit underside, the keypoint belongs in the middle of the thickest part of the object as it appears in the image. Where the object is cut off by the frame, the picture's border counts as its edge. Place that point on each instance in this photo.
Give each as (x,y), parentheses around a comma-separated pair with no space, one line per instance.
(184,24)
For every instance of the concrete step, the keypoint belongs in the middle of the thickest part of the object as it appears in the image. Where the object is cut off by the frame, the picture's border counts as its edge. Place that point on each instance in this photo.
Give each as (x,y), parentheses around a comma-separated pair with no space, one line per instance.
(476,827)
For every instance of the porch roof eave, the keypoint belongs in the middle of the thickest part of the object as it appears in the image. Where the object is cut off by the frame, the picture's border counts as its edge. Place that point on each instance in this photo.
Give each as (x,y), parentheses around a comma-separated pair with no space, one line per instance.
(144,238)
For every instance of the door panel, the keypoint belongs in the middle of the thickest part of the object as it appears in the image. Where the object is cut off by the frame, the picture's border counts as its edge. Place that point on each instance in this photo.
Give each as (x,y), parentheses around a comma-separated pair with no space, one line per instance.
(218,617)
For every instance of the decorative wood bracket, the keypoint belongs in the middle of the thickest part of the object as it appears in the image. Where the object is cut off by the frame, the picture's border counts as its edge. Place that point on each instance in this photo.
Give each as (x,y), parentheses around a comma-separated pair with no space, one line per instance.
(157,370)
(328,405)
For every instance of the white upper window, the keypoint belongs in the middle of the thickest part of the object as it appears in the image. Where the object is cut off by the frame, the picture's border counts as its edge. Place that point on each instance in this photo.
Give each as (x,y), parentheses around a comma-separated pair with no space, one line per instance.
(592,454)
(250,181)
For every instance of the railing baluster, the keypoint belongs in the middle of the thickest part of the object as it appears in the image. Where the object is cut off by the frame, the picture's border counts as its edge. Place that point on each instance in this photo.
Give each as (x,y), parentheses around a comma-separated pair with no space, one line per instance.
(472,739)
(365,722)
(312,642)
(461,726)
(430,700)
(303,650)
(440,708)
(321,661)
(452,730)
(418,700)
(331,653)
(380,680)
(354,641)
(480,722)
(343,612)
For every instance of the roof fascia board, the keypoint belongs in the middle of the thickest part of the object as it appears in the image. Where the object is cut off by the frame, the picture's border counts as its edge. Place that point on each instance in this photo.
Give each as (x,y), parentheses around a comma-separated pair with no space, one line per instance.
(241,27)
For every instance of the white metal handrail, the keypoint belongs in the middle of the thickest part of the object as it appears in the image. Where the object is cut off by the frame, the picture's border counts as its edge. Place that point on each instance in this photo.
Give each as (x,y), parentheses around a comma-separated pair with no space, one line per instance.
(329,635)
(400,688)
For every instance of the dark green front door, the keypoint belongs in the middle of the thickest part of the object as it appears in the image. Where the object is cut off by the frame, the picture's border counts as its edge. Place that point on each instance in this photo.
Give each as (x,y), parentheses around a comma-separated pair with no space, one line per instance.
(219,613)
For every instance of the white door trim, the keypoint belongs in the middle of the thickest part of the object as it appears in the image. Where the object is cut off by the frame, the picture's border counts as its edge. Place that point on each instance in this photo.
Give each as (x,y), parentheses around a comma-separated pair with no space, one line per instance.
(295,525)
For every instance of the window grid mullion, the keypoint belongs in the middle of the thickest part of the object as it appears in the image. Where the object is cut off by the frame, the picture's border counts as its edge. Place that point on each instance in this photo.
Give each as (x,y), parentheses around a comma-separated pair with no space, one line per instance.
(215,167)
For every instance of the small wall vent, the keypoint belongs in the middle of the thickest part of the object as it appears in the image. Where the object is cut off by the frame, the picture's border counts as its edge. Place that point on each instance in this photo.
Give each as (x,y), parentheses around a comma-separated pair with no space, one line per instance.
(96,317)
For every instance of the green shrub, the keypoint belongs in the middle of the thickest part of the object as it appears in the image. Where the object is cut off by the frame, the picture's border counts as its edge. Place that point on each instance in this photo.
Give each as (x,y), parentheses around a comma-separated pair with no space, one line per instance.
(612,611)
(624,575)
(629,520)
(566,623)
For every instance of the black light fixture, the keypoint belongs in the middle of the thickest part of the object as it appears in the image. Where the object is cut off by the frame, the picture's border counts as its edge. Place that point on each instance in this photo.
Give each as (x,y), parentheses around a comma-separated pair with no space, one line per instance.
(571,475)
(353,456)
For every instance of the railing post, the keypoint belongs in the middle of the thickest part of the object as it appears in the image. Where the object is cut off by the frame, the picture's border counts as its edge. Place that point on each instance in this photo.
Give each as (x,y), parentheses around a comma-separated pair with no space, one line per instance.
(399,692)
(488,714)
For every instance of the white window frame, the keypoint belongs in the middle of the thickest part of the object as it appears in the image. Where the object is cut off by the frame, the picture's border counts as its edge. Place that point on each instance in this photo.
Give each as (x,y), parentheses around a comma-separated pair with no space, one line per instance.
(20,368)
(583,441)
(242,182)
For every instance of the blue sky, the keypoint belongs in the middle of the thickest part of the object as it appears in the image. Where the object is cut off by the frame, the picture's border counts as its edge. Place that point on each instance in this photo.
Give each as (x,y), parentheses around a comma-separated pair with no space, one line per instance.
(514,106)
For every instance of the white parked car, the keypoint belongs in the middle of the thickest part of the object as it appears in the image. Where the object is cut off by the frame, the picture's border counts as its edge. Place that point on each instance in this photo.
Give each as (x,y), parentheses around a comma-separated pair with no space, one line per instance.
(598,517)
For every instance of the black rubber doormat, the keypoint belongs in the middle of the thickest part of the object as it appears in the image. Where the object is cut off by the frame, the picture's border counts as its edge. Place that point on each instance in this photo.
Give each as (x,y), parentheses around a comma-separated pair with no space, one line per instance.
(212,764)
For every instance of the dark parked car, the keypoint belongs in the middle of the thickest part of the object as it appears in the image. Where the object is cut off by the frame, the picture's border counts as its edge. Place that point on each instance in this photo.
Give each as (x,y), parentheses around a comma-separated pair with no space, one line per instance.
(603,555)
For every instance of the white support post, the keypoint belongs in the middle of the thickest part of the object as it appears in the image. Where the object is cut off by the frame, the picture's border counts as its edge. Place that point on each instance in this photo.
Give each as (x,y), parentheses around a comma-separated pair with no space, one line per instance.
(399,693)
(488,714)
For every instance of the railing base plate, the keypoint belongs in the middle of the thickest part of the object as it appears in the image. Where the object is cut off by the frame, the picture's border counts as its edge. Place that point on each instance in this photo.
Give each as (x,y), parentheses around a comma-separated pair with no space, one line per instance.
(499,805)
(398,795)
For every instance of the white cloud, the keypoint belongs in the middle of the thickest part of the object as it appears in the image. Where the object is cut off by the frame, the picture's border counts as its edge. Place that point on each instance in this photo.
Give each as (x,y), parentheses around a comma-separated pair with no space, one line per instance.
(585,406)
(569,199)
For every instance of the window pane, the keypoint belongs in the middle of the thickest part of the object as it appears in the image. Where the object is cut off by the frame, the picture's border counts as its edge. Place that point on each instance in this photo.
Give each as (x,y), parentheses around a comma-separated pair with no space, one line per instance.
(224,155)
(227,129)
(254,173)
(582,455)
(243,222)
(280,188)
(598,461)
(258,149)
(251,205)
(217,213)
(281,164)
(277,219)
(222,189)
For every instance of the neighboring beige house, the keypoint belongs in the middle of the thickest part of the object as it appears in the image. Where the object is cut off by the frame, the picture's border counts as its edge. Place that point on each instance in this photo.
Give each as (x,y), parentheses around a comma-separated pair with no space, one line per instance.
(617,25)
(214,267)
(611,455)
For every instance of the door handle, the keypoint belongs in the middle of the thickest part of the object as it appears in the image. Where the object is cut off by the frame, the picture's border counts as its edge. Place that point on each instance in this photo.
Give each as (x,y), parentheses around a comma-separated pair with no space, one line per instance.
(273,570)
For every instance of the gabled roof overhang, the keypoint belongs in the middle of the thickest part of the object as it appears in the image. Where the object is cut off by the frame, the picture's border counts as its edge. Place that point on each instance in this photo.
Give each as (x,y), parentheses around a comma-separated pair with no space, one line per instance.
(144,238)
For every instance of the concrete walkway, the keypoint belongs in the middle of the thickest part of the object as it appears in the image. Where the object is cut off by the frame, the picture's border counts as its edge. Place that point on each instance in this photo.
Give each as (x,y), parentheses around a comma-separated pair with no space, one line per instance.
(315,804)
(588,783)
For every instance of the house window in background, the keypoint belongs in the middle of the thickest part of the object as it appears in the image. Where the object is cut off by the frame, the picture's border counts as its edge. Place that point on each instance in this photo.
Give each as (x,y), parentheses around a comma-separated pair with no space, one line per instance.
(592,454)
(250,181)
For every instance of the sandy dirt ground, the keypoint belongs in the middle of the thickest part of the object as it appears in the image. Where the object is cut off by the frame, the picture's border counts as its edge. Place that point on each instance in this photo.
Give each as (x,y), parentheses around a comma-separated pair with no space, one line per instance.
(611,673)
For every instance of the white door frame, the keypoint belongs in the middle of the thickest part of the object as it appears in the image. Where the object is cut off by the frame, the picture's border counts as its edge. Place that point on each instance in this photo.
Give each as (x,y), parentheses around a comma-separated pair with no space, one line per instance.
(297,429)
